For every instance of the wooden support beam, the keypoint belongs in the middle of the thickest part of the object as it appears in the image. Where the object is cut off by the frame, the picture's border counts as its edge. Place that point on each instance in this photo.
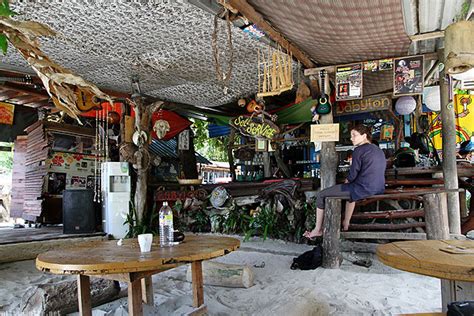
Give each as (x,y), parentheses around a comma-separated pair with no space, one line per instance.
(390,214)
(436,216)
(426,36)
(252,15)
(385,226)
(331,233)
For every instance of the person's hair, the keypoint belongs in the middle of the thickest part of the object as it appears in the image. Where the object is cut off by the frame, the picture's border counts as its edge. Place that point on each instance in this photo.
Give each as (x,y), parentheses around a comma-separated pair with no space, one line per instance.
(363,129)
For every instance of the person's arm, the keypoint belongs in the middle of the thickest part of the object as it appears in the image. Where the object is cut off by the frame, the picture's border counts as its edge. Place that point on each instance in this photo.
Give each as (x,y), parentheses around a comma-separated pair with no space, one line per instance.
(355,166)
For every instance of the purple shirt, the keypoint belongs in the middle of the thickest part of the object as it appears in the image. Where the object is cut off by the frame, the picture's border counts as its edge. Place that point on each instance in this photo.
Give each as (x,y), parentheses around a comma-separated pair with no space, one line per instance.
(367,173)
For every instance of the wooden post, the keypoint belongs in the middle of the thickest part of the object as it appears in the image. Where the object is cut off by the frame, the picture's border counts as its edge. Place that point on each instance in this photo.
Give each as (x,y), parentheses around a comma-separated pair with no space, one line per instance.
(267,170)
(436,216)
(135,307)
(84,295)
(331,234)
(187,159)
(198,292)
(450,172)
(329,159)
(147,291)
(230,154)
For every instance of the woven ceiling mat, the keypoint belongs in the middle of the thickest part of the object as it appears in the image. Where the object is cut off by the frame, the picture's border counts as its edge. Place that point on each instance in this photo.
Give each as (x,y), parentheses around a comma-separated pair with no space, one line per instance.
(339,31)
(166,43)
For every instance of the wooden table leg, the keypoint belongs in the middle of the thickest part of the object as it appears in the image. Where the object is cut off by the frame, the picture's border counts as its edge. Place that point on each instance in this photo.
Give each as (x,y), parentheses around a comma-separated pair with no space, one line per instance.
(84,295)
(147,290)
(452,291)
(135,307)
(198,292)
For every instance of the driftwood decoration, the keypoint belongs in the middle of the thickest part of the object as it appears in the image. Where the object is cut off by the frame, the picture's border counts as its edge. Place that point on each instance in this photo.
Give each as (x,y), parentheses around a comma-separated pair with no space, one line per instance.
(62,85)
(275,72)
(458,49)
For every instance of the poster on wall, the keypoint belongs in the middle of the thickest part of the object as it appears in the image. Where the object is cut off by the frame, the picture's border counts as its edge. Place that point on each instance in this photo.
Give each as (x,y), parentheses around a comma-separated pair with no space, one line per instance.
(408,75)
(6,113)
(349,82)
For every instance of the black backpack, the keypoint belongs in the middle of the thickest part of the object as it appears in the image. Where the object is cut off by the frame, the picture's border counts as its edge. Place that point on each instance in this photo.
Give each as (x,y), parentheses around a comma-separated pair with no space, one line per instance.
(309,260)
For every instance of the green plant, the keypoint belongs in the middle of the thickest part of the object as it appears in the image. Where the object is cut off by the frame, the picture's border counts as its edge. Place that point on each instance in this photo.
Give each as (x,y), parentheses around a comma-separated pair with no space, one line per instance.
(212,148)
(144,226)
(6,12)
(263,221)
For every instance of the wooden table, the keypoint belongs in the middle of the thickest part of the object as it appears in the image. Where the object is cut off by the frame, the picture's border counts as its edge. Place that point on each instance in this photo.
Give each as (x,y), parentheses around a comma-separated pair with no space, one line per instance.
(105,259)
(435,258)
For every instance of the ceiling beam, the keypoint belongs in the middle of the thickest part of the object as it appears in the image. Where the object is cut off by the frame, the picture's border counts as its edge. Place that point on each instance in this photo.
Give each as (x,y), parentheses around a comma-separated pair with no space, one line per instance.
(255,17)
(426,36)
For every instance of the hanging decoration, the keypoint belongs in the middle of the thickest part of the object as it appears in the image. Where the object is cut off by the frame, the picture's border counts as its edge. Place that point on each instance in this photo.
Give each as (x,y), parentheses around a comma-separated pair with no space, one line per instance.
(405,105)
(167,124)
(256,125)
(431,98)
(275,72)
(61,84)
(223,78)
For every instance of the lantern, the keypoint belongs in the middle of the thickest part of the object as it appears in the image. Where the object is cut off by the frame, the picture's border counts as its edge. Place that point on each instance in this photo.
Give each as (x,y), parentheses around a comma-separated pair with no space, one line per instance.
(431,98)
(405,105)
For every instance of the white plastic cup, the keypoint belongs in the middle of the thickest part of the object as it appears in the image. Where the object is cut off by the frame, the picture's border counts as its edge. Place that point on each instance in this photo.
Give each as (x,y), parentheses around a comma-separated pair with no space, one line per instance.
(145,240)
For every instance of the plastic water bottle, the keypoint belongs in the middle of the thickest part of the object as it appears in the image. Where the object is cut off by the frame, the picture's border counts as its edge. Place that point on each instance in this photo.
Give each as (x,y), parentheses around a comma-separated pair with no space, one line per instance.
(166,225)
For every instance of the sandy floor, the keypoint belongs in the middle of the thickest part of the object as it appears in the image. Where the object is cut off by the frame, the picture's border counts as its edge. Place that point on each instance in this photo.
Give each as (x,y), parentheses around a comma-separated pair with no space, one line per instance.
(352,290)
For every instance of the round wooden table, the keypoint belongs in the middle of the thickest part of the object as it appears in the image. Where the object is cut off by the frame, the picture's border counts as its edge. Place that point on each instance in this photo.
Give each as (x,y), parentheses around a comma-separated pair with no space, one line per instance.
(452,261)
(106,259)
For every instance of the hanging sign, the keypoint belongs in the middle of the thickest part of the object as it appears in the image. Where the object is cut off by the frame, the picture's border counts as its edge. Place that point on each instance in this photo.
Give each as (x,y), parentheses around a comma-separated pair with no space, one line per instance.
(256,127)
(183,140)
(6,113)
(324,133)
(349,82)
(408,75)
(370,104)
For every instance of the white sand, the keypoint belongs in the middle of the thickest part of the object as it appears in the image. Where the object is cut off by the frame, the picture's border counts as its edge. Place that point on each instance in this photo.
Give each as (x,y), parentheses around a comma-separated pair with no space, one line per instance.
(351,290)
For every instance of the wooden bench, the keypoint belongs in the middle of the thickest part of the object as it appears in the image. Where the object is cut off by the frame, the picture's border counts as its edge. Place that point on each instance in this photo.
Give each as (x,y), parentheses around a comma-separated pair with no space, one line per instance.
(436,221)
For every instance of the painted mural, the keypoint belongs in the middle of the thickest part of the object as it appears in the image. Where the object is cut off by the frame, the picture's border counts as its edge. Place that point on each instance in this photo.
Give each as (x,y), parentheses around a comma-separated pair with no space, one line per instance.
(464,113)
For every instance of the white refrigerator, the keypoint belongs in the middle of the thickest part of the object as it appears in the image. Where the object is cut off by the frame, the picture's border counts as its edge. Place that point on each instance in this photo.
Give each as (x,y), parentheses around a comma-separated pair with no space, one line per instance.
(116,187)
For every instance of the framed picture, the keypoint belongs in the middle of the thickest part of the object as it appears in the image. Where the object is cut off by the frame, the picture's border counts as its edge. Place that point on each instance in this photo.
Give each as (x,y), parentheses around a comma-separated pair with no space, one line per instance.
(349,82)
(408,75)
(261,145)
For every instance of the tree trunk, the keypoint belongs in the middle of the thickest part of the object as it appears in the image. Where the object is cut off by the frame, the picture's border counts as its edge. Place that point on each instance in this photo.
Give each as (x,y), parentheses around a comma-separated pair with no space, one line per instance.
(450,172)
(143,122)
(61,298)
(187,159)
(227,275)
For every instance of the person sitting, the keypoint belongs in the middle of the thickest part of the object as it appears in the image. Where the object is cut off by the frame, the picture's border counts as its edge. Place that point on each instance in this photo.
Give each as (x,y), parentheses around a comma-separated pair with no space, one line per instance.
(366,178)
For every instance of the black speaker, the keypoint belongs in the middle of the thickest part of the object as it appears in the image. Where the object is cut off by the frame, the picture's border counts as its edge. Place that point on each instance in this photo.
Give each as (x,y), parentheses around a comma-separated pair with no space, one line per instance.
(78,211)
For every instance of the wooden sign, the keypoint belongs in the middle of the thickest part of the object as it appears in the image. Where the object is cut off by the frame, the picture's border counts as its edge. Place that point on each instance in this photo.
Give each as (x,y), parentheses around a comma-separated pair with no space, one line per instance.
(162,195)
(370,104)
(324,132)
(6,113)
(255,127)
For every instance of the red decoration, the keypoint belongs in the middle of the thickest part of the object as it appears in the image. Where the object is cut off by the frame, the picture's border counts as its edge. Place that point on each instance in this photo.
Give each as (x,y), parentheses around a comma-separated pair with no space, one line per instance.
(177,123)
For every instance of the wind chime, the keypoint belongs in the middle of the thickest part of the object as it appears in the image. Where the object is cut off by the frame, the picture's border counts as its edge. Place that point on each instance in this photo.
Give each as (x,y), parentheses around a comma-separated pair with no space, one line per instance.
(275,73)
(101,149)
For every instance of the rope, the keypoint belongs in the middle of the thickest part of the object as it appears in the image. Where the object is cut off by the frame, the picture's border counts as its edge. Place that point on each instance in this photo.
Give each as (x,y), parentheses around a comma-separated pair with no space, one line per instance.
(224,79)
